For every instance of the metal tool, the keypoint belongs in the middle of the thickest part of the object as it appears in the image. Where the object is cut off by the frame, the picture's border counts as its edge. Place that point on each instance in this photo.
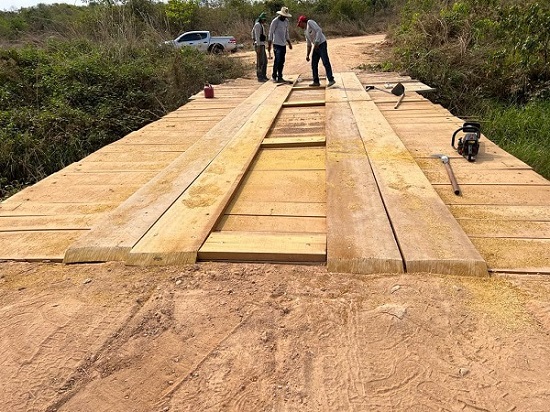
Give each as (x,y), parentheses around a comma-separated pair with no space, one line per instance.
(468,145)
(397,90)
(447,163)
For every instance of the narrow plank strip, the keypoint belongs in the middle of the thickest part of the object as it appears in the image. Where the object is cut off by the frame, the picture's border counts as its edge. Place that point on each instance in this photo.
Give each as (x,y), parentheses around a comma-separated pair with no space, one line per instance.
(510,212)
(77,193)
(280,208)
(37,245)
(515,195)
(294,141)
(296,158)
(359,234)
(506,228)
(271,247)
(465,175)
(304,103)
(31,208)
(32,223)
(177,236)
(275,224)
(518,255)
(429,237)
(114,237)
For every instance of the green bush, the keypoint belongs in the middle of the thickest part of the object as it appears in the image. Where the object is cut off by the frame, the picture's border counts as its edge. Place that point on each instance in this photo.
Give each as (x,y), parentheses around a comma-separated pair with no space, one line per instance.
(62,101)
(483,56)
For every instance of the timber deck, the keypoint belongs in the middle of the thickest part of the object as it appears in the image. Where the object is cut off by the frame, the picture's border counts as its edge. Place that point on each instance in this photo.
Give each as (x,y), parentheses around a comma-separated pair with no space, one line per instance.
(291,174)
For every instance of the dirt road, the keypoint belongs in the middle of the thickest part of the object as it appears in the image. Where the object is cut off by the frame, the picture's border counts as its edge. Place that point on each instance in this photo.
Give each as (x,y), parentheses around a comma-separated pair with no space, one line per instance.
(251,337)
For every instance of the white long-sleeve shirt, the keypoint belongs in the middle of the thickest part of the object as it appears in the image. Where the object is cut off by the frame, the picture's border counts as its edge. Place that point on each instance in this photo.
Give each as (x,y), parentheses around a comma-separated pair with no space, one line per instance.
(278,32)
(314,34)
(257,30)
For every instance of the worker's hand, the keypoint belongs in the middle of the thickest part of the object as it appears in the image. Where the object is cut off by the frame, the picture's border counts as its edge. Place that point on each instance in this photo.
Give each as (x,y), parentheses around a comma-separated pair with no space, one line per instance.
(290,46)
(307,58)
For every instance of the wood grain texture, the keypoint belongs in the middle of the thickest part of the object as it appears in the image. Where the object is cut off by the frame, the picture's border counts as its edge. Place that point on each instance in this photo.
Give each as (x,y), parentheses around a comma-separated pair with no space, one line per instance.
(179,233)
(359,234)
(429,237)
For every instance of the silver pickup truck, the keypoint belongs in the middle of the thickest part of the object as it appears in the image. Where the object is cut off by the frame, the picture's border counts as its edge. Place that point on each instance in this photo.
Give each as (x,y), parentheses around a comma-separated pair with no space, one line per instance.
(203,41)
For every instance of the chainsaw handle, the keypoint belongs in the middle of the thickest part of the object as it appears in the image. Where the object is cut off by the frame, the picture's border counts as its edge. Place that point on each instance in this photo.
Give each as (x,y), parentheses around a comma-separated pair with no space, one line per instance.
(454,135)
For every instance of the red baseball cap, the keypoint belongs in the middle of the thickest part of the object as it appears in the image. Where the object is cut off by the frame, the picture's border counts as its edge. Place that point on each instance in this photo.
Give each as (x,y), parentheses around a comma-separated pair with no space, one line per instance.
(302,19)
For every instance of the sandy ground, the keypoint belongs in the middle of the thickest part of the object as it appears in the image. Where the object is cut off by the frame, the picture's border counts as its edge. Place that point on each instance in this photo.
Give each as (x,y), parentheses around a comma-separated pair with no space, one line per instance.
(255,337)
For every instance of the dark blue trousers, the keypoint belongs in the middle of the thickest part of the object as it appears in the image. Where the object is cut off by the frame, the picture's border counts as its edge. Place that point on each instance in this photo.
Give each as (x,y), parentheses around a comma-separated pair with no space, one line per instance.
(321,53)
(279,54)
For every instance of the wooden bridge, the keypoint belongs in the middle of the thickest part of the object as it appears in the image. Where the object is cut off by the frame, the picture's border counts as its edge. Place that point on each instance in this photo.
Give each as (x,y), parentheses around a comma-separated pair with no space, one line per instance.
(291,173)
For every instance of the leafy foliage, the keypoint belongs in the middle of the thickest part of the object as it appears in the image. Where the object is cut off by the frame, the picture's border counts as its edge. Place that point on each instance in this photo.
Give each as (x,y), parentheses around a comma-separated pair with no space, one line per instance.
(64,100)
(488,59)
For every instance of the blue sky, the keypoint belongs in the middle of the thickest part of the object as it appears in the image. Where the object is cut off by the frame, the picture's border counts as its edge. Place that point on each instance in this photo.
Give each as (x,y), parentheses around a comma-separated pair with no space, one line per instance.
(17,4)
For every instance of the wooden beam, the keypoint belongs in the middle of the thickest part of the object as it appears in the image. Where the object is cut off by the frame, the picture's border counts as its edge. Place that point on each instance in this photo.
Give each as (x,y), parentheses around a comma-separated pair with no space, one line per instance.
(292,141)
(118,232)
(271,247)
(177,236)
(359,234)
(429,237)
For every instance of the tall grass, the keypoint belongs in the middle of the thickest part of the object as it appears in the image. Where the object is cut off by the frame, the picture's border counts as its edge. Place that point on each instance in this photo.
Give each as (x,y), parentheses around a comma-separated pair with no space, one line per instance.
(488,60)
(523,131)
(66,99)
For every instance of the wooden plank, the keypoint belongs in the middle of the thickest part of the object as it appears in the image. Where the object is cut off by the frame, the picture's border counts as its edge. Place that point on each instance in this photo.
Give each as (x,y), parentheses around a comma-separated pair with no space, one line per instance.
(129,157)
(288,142)
(290,185)
(177,236)
(271,247)
(429,237)
(359,234)
(31,208)
(139,148)
(466,176)
(537,213)
(277,208)
(114,237)
(117,167)
(295,158)
(304,103)
(303,94)
(66,178)
(506,228)
(354,89)
(32,223)
(514,195)
(37,245)
(515,255)
(76,194)
(275,224)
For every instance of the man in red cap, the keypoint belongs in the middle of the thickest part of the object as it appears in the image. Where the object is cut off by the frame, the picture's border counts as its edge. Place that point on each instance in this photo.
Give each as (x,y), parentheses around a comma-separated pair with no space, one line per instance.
(316,39)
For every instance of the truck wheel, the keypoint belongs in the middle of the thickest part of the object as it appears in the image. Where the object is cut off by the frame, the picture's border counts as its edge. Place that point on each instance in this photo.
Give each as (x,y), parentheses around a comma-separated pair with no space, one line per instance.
(216,49)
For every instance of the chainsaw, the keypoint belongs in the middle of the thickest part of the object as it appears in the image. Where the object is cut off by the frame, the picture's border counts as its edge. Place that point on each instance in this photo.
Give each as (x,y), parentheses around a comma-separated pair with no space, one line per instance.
(468,145)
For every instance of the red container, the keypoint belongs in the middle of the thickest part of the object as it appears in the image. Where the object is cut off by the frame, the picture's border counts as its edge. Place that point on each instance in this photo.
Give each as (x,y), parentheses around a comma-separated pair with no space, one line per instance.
(208,91)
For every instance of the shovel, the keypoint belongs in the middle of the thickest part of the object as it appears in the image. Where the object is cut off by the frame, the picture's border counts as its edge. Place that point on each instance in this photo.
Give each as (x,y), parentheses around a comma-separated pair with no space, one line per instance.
(397,90)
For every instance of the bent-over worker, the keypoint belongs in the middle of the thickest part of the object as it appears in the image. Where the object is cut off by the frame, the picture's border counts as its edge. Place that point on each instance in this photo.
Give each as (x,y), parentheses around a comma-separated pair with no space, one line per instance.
(316,39)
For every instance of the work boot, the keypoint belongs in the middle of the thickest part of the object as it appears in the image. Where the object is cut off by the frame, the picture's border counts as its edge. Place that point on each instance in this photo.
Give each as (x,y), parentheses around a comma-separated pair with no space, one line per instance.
(315,84)
(331,83)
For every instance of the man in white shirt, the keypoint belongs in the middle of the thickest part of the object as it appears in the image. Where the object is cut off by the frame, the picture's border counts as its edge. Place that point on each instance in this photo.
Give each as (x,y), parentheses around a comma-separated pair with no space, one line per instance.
(279,37)
(317,41)
(259,38)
